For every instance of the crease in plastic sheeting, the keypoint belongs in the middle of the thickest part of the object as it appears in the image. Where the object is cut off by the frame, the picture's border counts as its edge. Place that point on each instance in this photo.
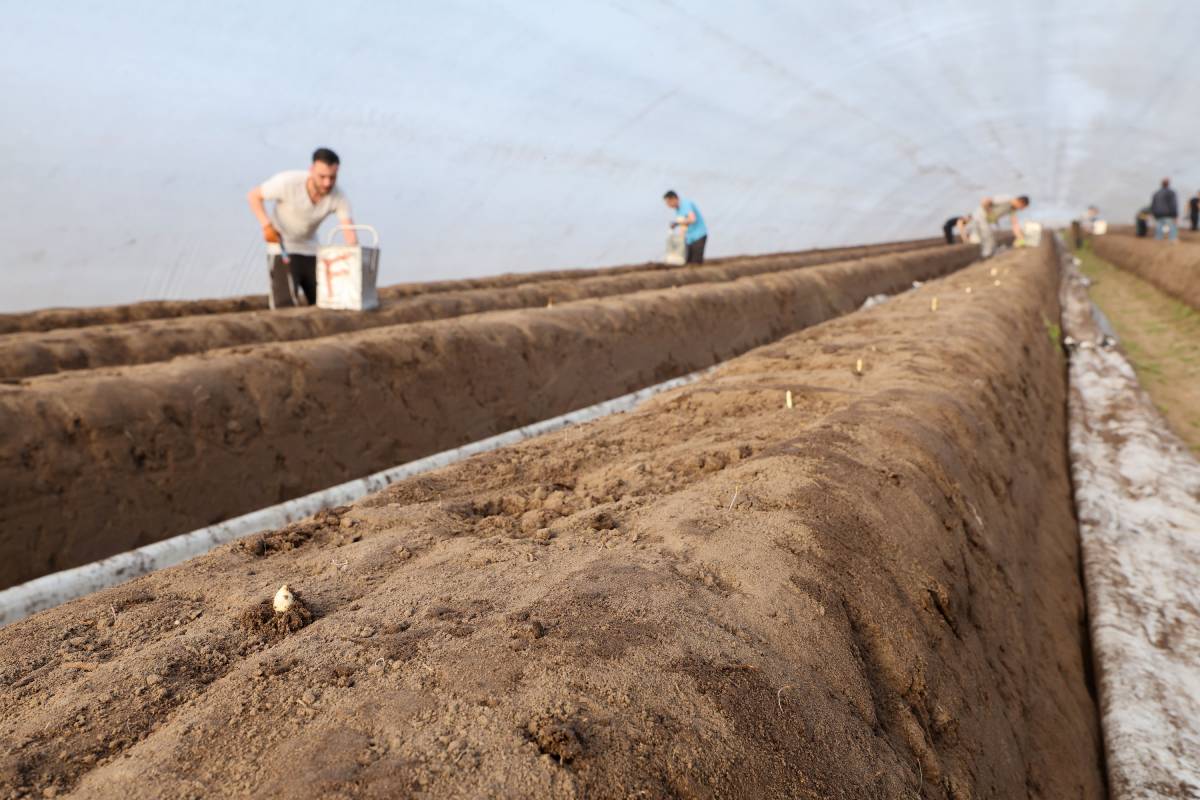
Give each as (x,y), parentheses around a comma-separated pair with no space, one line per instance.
(1137,495)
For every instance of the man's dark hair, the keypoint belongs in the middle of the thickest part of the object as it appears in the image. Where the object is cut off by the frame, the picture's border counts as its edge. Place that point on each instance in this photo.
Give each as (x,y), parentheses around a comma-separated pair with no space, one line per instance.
(1024,199)
(326,156)
(670,195)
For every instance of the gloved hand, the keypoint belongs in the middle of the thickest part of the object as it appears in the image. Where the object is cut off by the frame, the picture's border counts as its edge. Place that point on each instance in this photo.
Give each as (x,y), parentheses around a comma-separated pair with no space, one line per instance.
(270,234)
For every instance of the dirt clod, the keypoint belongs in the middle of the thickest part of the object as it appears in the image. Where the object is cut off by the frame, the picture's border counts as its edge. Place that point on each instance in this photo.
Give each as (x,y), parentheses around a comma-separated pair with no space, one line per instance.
(555,737)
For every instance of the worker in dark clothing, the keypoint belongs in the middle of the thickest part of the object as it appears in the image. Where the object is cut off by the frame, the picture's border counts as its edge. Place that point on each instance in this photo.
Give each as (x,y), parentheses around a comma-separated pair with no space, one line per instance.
(1143,222)
(1194,210)
(1165,209)
(954,225)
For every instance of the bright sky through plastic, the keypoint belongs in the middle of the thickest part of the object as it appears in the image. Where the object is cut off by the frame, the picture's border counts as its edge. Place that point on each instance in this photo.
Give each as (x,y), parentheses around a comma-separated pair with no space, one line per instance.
(482,137)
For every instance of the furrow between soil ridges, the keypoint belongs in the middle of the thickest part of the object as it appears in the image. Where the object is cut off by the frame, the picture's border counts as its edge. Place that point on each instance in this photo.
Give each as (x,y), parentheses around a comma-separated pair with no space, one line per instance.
(28,354)
(1172,267)
(873,594)
(54,318)
(102,461)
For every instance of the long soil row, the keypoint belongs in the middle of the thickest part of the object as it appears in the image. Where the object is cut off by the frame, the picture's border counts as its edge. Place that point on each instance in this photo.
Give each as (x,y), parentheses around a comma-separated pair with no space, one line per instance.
(872,595)
(99,462)
(54,318)
(27,354)
(1173,268)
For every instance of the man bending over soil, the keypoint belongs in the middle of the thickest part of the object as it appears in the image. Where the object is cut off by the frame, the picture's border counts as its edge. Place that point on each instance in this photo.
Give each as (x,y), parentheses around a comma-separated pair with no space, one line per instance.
(955,229)
(990,211)
(695,232)
(302,202)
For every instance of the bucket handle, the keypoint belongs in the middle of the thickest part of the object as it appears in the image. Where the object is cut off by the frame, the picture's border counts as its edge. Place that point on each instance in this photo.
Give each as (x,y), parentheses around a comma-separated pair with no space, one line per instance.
(343,228)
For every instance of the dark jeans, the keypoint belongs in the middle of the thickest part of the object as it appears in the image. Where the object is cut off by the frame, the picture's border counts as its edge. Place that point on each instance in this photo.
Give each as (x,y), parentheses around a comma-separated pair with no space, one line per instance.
(1195,223)
(948,229)
(286,278)
(695,251)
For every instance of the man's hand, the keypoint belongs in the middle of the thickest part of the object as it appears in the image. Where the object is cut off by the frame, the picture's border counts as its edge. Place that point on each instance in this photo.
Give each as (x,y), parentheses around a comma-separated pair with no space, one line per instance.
(255,198)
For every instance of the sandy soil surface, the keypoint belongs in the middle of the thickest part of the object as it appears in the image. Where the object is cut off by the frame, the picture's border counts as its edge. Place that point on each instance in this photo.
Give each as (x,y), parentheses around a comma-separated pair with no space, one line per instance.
(1161,337)
(874,594)
(1174,268)
(38,353)
(102,461)
(53,318)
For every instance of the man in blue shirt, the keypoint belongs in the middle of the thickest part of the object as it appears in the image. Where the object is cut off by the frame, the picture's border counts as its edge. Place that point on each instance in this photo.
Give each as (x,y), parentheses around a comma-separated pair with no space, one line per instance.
(695,232)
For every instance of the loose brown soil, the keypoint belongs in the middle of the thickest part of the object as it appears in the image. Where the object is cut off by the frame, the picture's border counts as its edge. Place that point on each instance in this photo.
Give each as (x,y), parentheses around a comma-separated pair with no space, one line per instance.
(872,595)
(102,461)
(1174,268)
(270,625)
(27,354)
(1161,337)
(54,318)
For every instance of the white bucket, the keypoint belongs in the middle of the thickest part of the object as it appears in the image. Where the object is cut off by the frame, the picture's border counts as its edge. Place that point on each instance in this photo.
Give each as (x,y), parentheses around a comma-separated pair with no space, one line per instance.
(346,273)
(676,249)
(1033,233)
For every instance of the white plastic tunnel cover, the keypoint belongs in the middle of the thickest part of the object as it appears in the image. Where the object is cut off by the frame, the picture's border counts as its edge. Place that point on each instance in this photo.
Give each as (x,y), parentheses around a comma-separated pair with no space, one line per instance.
(529,134)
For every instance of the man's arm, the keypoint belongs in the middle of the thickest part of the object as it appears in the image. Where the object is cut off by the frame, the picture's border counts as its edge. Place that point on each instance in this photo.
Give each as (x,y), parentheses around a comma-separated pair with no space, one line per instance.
(255,198)
(346,217)
(349,234)
(685,219)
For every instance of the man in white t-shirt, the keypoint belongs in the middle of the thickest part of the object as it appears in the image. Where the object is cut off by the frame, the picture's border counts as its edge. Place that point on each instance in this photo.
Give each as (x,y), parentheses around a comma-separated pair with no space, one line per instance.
(302,202)
(991,210)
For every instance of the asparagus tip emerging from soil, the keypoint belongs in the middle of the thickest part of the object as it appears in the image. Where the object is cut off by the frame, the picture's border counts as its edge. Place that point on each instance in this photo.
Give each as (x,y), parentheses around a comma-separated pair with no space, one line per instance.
(284,599)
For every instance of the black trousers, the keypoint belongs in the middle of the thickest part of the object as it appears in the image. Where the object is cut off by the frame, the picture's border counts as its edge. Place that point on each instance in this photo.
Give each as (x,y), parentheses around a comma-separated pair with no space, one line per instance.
(300,273)
(1195,222)
(695,251)
(948,229)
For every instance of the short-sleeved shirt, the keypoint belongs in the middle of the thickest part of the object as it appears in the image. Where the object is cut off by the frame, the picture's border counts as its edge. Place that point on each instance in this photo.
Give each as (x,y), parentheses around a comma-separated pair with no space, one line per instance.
(1002,206)
(295,215)
(697,230)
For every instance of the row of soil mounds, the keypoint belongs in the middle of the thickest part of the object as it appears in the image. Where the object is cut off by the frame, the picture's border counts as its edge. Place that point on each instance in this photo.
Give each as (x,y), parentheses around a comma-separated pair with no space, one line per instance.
(1172,267)
(99,462)
(27,354)
(54,318)
(874,594)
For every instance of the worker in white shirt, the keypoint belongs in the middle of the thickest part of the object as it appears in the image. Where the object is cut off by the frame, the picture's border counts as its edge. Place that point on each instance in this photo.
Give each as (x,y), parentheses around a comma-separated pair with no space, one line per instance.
(991,210)
(302,202)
